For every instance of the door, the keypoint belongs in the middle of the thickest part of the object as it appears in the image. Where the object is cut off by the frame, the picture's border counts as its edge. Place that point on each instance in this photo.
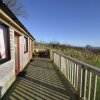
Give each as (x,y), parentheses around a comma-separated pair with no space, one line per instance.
(17,55)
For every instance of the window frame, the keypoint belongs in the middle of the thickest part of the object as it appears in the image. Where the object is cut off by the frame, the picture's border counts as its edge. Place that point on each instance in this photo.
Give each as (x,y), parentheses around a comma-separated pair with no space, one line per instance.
(25,51)
(8,44)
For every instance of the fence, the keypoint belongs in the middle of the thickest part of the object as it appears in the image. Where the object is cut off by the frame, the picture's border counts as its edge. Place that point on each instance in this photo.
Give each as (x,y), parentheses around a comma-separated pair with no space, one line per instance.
(84,78)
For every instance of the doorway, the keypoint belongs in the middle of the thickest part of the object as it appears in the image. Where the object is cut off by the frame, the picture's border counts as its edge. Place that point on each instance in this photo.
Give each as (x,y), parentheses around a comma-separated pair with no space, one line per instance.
(17,54)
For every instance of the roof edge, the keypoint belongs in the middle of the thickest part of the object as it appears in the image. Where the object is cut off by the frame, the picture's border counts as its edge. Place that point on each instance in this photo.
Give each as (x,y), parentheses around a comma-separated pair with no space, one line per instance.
(10,13)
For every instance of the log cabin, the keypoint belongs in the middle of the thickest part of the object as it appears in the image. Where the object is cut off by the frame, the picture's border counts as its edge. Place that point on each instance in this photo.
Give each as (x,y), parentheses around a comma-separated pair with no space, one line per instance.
(16,47)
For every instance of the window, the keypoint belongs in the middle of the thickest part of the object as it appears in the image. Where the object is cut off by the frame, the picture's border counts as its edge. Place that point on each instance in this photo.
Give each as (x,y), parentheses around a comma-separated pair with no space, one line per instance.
(4,43)
(25,44)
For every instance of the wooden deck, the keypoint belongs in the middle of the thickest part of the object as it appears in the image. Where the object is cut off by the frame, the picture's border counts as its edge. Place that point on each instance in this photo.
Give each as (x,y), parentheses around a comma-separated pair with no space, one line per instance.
(43,81)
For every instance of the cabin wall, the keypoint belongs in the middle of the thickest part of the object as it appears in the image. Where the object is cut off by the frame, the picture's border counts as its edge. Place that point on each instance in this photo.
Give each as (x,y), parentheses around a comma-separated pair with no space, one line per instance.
(31,49)
(7,69)
(33,46)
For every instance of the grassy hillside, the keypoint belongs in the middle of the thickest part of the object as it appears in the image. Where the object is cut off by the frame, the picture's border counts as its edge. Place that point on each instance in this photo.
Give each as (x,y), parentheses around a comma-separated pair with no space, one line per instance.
(87,55)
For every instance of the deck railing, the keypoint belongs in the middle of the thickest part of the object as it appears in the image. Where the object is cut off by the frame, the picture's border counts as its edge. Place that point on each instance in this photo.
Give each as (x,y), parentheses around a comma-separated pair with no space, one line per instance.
(84,78)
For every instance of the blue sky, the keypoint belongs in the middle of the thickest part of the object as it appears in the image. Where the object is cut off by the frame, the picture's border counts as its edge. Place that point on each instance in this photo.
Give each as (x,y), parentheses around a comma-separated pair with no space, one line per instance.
(74,22)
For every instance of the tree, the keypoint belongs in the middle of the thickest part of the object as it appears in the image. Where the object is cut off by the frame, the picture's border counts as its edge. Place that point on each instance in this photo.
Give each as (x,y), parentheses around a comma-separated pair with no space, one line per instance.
(16,7)
(88,46)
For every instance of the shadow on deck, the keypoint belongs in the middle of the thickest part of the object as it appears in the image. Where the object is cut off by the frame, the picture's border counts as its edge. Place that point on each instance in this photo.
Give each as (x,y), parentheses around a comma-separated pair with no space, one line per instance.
(42,81)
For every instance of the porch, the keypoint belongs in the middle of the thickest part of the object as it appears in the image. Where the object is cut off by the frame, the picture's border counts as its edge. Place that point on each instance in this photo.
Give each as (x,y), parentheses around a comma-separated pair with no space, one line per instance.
(42,81)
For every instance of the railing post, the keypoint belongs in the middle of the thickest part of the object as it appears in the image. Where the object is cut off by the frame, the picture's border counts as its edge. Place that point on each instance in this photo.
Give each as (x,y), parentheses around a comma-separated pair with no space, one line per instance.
(89,90)
(79,80)
(53,56)
(77,76)
(68,68)
(84,81)
(94,88)
(74,75)
(60,61)
(0,91)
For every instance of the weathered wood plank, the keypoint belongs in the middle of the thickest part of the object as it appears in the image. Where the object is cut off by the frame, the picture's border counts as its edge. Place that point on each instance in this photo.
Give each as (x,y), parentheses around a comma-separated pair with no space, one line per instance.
(43,81)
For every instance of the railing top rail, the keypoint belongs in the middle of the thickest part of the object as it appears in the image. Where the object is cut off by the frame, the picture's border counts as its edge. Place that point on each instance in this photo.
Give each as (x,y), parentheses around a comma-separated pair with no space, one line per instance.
(90,68)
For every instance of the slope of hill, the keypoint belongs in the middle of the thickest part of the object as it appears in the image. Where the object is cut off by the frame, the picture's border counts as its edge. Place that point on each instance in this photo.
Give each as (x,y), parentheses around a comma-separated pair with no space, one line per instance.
(89,55)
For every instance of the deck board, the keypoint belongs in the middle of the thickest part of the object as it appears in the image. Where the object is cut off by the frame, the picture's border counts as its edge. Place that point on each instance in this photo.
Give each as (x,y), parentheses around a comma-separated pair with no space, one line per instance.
(42,82)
